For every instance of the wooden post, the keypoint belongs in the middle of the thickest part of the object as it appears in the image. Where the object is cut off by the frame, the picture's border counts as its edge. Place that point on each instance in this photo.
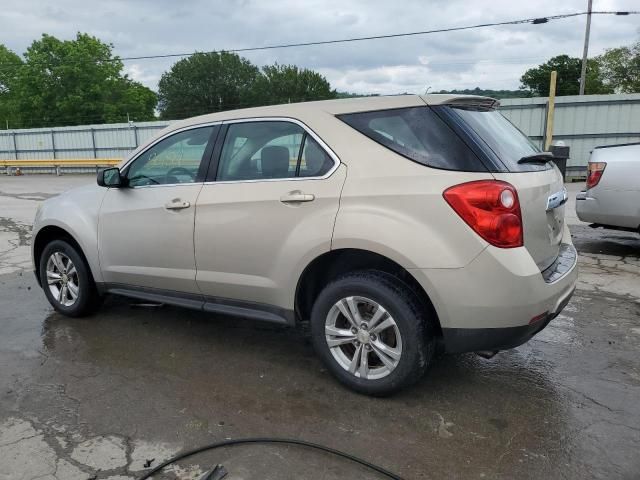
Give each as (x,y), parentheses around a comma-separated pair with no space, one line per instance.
(548,137)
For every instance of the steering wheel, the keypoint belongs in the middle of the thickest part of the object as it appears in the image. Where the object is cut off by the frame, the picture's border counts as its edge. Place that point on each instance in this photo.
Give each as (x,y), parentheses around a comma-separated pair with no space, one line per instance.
(178,171)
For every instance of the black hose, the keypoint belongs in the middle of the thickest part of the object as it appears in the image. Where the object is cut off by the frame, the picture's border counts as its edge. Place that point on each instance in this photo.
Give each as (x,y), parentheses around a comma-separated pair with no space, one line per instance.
(245,441)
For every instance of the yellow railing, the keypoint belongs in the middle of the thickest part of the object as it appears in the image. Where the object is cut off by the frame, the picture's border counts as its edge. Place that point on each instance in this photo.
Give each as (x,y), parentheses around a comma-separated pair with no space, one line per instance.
(60,162)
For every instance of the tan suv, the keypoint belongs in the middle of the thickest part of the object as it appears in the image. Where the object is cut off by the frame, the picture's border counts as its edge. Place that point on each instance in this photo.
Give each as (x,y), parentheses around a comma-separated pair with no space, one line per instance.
(391,224)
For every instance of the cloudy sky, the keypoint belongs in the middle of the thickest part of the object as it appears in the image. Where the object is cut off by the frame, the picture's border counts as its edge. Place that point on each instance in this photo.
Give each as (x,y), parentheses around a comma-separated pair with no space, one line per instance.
(489,58)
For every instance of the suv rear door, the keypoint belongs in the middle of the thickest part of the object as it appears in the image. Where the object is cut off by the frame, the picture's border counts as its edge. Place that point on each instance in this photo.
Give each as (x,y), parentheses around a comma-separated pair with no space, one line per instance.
(267,209)
(539,184)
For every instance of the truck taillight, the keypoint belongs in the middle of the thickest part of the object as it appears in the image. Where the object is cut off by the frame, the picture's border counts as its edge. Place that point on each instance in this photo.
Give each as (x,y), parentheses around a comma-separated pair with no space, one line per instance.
(491,208)
(595,171)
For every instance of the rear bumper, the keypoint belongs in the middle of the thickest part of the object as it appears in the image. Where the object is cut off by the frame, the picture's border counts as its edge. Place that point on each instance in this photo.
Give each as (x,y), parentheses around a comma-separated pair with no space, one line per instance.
(609,208)
(501,299)
(587,208)
(459,340)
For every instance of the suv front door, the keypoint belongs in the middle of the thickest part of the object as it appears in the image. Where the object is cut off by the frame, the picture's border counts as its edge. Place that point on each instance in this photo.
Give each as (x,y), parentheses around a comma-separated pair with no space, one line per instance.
(268,211)
(145,229)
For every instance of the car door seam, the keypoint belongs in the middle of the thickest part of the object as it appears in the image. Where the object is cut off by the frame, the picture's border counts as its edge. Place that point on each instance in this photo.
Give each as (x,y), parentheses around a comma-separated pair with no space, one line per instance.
(193,238)
(98,223)
(335,218)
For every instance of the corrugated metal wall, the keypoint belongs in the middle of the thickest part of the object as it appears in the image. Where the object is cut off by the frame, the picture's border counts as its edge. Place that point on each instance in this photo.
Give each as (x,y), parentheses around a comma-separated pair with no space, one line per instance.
(92,141)
(580,122)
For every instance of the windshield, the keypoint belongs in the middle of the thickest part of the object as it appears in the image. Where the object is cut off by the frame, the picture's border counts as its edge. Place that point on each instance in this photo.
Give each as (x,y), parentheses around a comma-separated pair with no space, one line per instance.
(502,137)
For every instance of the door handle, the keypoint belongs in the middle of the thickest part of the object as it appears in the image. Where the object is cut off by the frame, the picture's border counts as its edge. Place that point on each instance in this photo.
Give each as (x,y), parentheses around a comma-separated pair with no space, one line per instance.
(176,204)
(297,197)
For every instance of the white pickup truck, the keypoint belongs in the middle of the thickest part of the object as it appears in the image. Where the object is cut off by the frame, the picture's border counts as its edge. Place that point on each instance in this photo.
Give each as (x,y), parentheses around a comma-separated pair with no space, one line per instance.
(612,197)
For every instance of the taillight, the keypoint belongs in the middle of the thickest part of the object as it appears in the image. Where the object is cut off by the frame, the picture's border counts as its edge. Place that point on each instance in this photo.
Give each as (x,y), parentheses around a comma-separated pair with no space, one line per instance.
(595,171)
(491,208)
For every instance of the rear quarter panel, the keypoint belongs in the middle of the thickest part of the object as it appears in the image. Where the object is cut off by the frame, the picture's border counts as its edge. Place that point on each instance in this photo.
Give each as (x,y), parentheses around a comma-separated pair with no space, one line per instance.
(393,206)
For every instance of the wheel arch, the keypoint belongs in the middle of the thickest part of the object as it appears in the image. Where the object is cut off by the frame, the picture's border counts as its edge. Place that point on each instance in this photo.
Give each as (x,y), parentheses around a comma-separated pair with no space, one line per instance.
(46,235)
(334,263)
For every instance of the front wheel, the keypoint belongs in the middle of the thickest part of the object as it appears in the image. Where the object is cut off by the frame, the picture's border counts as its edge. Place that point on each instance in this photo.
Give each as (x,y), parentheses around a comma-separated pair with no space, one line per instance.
(66,280)
(372,332)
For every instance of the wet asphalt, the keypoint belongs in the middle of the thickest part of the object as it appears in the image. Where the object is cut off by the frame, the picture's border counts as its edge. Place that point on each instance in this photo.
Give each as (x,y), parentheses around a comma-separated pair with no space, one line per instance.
(96,397)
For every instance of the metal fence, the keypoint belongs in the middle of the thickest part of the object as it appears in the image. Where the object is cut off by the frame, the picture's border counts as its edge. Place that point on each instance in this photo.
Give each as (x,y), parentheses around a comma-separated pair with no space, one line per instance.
(581,122)
(92,141)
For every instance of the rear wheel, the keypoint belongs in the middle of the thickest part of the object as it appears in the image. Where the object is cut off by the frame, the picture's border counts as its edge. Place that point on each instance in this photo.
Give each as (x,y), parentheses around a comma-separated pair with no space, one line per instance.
(66,280)
(372,332)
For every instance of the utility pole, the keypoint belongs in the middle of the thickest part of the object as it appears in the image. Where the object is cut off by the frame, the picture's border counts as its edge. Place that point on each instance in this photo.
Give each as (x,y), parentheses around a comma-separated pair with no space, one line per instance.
(585,51)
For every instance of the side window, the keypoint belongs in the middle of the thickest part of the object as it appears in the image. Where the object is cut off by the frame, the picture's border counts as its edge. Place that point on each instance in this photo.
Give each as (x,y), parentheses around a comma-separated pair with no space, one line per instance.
(260,150)
(315,162)
(176,159)
(418,134)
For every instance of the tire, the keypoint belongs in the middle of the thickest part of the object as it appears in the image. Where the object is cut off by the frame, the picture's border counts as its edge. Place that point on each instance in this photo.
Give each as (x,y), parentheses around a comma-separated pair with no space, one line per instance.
(78,280)
(410,321)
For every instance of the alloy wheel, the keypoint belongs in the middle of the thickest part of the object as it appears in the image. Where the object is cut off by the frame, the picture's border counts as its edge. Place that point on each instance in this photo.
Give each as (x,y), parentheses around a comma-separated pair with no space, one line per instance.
(62,279)
(363,337)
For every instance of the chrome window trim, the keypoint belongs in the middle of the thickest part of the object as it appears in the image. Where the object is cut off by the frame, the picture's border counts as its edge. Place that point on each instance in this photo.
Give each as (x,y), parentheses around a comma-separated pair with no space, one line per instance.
(165,185)
(158,140)
(306,128)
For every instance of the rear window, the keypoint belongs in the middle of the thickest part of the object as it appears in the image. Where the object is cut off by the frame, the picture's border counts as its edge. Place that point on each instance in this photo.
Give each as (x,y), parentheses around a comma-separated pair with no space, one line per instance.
(418,134)
(505,140)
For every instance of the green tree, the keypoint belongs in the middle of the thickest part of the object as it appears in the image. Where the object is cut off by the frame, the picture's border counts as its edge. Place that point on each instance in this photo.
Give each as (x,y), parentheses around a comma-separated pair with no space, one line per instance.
(355,95)
(71,82)
(288,83)
(206,82)
(620,68)
(536,80)
(489,92)
(9,65)
(132,99)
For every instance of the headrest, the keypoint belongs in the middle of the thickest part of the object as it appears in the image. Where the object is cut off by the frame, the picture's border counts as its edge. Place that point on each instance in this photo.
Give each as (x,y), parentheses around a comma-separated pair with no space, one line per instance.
(275,162)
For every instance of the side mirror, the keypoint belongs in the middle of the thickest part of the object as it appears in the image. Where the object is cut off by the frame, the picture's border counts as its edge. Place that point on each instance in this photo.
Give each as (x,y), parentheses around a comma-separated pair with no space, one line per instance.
(110,177)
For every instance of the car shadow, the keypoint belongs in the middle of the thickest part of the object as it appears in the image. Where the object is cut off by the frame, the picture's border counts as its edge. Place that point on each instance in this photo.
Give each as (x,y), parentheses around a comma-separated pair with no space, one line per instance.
(607,242)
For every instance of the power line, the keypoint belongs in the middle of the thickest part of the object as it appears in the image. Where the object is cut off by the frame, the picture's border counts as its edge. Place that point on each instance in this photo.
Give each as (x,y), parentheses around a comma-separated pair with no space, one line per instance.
(465,61)
(99,118)
(534,21)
